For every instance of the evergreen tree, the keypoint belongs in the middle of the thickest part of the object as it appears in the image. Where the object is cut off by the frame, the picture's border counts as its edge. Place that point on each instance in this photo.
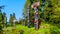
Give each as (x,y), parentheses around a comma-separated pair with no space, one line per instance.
(11,19)
(0,21)
(5,19)
(1,18)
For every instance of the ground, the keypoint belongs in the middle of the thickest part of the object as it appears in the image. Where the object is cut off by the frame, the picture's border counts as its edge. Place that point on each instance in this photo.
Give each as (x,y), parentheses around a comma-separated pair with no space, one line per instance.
(44,29)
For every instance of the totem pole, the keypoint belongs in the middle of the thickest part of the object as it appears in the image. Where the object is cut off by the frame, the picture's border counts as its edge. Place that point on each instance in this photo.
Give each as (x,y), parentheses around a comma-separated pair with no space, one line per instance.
(34,6)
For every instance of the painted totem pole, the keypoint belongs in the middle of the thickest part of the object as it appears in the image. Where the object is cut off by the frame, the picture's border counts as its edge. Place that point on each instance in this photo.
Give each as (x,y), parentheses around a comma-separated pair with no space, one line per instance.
(34,6)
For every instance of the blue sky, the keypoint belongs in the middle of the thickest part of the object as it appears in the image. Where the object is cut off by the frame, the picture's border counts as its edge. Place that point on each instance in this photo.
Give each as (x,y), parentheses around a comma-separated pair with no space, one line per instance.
(13,6)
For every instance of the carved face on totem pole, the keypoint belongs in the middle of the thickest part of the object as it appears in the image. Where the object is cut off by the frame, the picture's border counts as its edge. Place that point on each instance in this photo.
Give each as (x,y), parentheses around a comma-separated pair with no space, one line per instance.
(34,5)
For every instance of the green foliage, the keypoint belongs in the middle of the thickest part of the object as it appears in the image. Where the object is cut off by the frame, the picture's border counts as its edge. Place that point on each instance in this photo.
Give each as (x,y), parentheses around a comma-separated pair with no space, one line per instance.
(51,12)
(12,18)
(2,19)
(45,28)
(51,15)
(49,19)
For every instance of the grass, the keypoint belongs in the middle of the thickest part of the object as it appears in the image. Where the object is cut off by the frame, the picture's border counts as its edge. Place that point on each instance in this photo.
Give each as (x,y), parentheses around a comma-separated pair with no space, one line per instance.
(44,29)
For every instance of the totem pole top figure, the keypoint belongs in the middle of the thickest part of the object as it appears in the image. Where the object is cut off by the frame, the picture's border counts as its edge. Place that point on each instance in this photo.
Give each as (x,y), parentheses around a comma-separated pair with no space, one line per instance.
(36,4)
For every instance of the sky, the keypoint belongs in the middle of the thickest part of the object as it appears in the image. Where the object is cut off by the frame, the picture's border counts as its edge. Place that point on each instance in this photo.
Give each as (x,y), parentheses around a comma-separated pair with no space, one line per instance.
(13,6)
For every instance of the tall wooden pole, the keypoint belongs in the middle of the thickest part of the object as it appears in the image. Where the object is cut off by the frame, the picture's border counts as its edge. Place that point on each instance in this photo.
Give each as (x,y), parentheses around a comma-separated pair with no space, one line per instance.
(34,6)
(28,7)
(36,18)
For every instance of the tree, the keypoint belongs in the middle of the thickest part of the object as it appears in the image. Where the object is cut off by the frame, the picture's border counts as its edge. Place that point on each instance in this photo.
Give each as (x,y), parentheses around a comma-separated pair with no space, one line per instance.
(0,21)
(5,19)
(12,18)
(1,18)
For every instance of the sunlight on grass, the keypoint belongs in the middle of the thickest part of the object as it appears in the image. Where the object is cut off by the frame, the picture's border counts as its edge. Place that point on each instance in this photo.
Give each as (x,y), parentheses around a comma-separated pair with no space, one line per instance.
(44,28)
